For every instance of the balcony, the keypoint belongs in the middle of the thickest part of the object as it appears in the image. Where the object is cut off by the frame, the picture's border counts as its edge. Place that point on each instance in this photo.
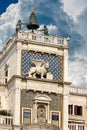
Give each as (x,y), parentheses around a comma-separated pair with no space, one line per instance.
(42,38)
(35,37)
(77,126)
(6,120)
(78,90)
(3,81)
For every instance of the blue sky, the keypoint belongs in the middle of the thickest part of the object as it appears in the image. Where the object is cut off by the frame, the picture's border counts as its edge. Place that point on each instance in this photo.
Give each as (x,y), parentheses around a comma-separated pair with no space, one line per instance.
(64,18)
(5,3)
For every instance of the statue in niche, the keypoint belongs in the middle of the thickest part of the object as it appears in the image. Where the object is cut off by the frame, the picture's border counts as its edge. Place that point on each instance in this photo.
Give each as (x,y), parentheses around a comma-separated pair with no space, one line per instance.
(41,69)
(41,114)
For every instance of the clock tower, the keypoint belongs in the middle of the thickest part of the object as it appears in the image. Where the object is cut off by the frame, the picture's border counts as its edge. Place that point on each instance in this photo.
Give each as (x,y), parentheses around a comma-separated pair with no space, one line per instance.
(37,79)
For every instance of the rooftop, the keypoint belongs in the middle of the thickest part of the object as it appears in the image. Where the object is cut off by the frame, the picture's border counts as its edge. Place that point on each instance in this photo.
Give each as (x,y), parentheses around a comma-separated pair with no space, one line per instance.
(30,36)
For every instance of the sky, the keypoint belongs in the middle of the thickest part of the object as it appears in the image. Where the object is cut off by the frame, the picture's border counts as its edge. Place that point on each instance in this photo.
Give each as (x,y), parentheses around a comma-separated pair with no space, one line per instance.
(64,18)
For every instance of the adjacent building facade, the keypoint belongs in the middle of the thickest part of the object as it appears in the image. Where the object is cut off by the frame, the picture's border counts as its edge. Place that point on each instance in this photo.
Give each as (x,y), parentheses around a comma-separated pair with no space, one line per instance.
(35,92)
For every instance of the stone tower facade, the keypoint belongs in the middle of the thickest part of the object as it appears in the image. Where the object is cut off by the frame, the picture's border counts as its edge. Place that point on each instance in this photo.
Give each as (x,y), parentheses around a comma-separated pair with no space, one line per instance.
(36,69)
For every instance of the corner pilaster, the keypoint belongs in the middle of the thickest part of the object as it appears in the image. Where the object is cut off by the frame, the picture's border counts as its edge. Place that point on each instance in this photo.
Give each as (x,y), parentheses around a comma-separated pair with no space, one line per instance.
(16,107)
(65,106)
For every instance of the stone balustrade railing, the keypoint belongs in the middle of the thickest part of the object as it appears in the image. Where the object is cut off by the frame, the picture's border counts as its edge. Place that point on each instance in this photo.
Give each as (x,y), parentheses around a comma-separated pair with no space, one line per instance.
(42,38)
(6,120)
(78,90)
(34,37)
(3,81)
(75,126)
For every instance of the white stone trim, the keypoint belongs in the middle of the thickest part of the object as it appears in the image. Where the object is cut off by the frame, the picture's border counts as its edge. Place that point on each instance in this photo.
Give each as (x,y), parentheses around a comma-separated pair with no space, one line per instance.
(59,116)
(42,97)
(27,109)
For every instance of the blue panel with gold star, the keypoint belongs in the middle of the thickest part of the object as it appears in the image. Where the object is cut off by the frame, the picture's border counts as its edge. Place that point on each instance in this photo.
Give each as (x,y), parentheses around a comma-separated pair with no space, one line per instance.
(55,63)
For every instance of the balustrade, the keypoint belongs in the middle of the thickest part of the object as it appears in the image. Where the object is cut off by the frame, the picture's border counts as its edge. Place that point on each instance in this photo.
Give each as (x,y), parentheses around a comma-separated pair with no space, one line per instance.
(75,126)
(78,90)
(3,80)
(41,38)
(6,120)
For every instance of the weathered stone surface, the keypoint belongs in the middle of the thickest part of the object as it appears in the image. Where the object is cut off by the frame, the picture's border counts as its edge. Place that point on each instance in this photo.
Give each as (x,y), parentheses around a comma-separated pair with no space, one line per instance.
(27,100)
(41,127)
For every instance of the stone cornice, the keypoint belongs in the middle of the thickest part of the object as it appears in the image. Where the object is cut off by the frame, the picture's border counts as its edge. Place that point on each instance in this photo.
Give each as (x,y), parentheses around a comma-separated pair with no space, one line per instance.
(42,44)
(25,78)
(78,94)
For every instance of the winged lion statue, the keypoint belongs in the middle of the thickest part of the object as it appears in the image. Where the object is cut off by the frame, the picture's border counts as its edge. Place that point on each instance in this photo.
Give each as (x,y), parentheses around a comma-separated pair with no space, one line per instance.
(41,68)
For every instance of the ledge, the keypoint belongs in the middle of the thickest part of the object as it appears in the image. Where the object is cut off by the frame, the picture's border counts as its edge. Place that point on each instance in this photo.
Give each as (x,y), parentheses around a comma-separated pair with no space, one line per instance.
(61,46)
(25,78)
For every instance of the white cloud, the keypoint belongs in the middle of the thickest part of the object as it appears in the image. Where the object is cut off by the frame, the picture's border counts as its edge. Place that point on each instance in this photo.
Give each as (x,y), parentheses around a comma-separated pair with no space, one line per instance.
(78,66)
(8,21)
(52,29)
(74,7)
(78,70)
(11,15)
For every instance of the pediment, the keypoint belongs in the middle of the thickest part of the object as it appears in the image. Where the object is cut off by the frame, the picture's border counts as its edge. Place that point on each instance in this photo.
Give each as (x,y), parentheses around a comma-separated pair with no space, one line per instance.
(43,98)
